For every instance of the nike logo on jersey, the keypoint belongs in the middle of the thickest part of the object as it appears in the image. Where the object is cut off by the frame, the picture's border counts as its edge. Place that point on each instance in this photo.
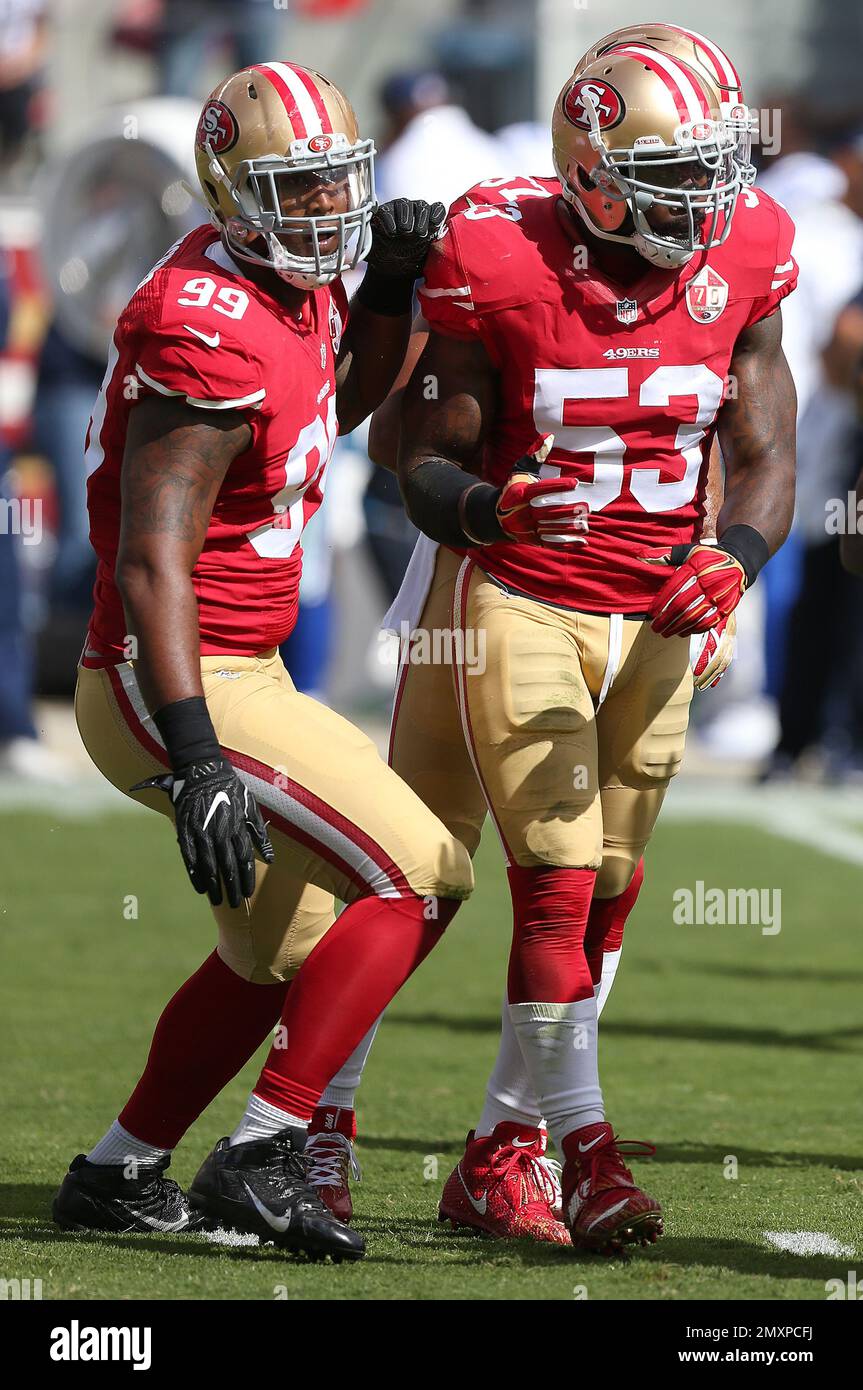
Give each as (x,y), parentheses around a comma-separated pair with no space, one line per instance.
(220,799)
(278,1223)
(212,340)
(479,1204)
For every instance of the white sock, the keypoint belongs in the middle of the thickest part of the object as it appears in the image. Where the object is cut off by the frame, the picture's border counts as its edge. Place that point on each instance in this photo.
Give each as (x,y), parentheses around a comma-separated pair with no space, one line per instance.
(610,962)
(559,1046)
(119,1146)
(343,1087)
(510,1094)
(262,1121)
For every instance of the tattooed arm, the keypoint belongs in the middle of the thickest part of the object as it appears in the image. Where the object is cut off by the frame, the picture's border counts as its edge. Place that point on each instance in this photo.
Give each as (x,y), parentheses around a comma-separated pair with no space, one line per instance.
(175,460)
(757,434)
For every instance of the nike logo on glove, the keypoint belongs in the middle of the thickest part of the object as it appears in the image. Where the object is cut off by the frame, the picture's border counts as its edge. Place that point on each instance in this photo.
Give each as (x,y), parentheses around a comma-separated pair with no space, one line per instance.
(211,340)
(220,799)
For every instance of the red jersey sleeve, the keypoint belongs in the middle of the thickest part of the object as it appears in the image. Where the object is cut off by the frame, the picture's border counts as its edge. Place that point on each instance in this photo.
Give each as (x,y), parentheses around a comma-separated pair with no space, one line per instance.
(779,269)
(209,366)
(446,295)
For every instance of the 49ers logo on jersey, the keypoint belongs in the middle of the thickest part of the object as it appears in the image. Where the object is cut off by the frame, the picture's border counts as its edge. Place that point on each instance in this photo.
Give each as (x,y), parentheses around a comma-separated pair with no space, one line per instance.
(588,94)
(217,129)
(706,296)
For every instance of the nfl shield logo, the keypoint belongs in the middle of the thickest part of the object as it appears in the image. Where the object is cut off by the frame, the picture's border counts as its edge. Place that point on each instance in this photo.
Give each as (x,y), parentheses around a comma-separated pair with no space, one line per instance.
(627,310)
(706,296)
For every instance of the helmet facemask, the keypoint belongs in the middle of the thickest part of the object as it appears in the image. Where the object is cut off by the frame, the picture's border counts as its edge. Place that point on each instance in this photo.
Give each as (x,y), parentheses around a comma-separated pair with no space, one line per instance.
(654,174)
(306,251)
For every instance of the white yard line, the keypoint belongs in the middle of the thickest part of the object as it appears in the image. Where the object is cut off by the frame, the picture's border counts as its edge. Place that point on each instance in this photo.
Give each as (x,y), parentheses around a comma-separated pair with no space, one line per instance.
(807,1243)
(811,816)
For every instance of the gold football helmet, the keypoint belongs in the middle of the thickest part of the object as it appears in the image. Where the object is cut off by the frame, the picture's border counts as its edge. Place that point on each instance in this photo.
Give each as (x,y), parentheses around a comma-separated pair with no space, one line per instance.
(285,175)
(644,154)
(700,53)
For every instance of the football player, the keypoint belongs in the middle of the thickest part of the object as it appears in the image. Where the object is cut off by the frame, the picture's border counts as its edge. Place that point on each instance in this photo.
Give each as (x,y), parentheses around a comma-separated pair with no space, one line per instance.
(505,1157)
(233,367)
(659,273)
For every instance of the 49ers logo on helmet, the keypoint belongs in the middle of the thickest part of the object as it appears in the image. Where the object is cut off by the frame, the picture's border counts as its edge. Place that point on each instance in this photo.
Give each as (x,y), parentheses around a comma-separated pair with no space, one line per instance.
(588,93)
(217,128)
(319,144)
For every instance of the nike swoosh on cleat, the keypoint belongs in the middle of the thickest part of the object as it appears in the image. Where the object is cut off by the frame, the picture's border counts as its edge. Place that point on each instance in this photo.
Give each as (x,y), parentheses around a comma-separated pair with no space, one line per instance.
(155,1224)
(606,1214)
(523,1143)
(211,340)
(220,799)
(479,1204)
(278,1223)
(583,1148)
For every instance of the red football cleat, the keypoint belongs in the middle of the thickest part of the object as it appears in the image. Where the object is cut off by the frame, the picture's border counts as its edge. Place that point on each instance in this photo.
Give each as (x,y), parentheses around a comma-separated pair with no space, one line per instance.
(505,1186)
(330,1158)
(602,1206)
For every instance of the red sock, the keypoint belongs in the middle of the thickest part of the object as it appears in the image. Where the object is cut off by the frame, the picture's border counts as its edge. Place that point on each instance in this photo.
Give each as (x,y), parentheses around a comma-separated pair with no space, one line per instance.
(606,922)
(215,1022)
(550,908)
(349,978)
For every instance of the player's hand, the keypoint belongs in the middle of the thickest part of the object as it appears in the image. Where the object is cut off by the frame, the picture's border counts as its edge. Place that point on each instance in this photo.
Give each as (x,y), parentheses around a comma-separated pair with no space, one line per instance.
(219,827)
(711,653)
(543,510)
(402,232)
(706,587)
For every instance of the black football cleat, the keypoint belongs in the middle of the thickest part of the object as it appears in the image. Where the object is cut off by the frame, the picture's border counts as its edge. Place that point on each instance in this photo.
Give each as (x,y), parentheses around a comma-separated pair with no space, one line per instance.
(101,1197)
(262,1186)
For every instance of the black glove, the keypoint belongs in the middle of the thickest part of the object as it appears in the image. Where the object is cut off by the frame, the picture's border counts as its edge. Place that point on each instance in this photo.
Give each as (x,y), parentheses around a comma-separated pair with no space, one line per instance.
(402,232)
(219,826)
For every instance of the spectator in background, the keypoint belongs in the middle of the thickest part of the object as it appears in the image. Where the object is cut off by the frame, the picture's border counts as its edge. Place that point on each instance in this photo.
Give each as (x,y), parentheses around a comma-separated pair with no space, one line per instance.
(799,177)
(181,35)
(21,754)
(818,703)
(23,45)
(431,148)
(247,31)
(68,383)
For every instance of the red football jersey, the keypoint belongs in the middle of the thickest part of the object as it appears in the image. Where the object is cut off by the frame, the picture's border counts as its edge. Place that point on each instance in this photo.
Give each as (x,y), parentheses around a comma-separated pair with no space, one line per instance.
(197,327)
(629,379)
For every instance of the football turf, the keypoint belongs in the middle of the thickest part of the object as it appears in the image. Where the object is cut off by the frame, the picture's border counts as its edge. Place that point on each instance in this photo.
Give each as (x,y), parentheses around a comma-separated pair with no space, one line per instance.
(735,1052)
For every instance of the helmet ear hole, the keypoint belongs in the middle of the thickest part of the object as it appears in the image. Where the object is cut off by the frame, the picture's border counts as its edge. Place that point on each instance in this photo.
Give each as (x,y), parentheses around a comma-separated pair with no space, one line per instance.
(584,179)
(211,191)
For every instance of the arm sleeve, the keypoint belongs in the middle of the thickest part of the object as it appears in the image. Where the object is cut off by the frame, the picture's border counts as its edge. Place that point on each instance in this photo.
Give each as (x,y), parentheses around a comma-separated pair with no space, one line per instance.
(208,367)
(780,276)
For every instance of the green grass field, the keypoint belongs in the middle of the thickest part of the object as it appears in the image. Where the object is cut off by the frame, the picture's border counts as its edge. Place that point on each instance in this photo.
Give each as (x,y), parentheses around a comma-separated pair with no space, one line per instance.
(717,1042)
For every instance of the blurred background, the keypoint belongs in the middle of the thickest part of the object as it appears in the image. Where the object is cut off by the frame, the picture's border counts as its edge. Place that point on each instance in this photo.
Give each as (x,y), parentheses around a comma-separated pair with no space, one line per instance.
(98,105)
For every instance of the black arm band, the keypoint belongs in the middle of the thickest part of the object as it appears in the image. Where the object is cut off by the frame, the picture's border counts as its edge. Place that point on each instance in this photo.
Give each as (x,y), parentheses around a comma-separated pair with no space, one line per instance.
(187,731)
(749,547)
(386,294)
(433,493)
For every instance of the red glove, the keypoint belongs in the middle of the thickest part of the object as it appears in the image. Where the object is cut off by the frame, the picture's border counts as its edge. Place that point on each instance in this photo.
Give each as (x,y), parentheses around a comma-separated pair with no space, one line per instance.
(706,587)
(711,653)
(542,510)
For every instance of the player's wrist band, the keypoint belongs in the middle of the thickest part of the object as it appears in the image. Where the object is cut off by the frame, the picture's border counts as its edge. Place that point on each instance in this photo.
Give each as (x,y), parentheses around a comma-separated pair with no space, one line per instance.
(748,547)
(477,512)
(386,294)
(187,731)
(451,506)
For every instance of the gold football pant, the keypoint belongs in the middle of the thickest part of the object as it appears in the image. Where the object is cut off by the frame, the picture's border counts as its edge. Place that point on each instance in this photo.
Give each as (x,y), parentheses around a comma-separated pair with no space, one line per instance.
(342,823)
(567,726)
